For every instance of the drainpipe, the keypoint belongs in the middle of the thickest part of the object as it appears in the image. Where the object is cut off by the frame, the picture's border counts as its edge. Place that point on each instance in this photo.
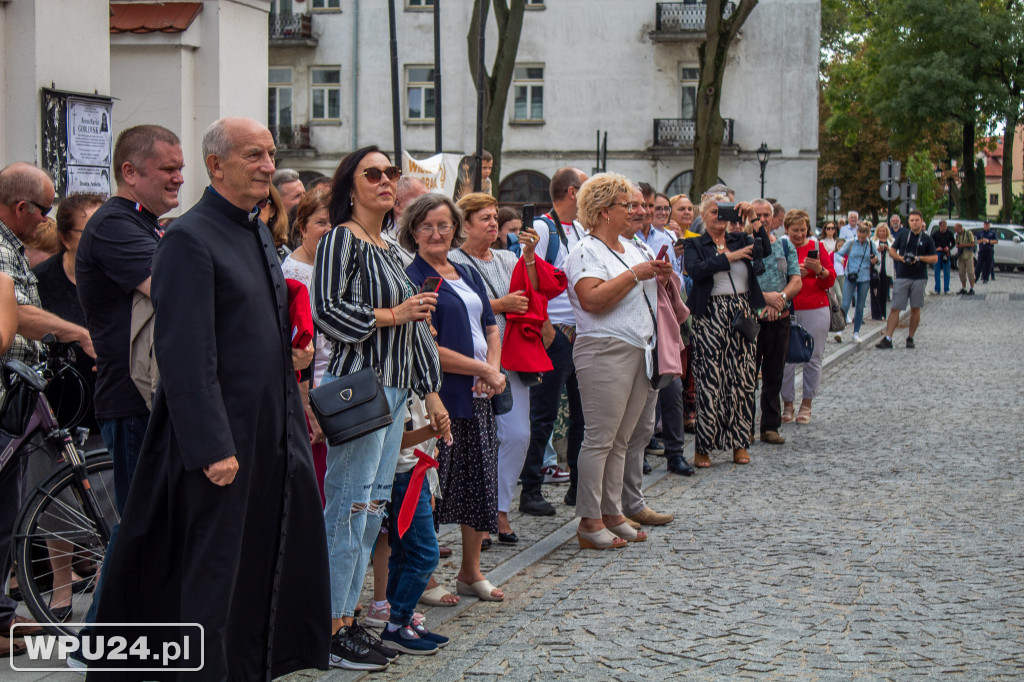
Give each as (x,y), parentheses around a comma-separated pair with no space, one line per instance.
(355,74)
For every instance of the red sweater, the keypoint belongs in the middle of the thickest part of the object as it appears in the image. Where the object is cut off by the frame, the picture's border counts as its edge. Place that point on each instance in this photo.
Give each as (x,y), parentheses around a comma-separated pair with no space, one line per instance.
(813,293)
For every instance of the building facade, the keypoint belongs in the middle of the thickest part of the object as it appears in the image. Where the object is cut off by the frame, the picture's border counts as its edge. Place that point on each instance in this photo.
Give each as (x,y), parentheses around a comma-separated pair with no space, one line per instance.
(583,66)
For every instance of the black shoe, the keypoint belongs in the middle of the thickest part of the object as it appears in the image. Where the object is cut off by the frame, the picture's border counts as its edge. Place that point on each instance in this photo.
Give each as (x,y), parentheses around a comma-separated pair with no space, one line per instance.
(962,291)
(647,467)
(884,343)
(61,614)
(371,639)
(910,342)
(485,544)
(655,447)
(508,538)
(532,502)
(570,496)
(971,292)
(677,464)
(349,653)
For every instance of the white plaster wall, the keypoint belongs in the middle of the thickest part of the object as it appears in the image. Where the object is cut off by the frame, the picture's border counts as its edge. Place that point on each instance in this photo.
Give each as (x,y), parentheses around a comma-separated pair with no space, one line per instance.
(47,43)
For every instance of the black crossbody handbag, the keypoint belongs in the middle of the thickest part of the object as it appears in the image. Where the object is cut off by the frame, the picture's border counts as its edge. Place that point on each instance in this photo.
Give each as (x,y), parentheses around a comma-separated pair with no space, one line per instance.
(744,324)
(353,405)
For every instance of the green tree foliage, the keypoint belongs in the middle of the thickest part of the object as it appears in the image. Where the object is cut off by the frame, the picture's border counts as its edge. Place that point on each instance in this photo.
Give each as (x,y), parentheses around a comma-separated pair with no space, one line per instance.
(980,188)
(929,191)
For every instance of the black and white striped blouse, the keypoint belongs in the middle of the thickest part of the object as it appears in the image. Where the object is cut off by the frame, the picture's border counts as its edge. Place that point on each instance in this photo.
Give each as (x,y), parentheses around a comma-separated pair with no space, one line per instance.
(343,303)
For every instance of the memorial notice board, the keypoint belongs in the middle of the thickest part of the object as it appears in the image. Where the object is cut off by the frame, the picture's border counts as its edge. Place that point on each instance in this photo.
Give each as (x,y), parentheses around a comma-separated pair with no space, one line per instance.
(77,144)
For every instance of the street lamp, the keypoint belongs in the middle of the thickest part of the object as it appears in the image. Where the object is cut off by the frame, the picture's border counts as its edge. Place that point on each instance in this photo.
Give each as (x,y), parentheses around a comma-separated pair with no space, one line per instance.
(762,158)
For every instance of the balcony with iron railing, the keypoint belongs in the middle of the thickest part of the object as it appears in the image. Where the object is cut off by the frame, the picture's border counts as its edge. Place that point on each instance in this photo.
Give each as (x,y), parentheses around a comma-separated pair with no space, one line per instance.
(291,29)
(680,21)
(680,133)
(291,138)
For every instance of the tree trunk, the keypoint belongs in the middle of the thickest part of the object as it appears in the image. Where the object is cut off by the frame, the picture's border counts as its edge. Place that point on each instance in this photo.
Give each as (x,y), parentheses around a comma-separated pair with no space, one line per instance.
(968,197)
(713,54)
(1009,135)
(509,17)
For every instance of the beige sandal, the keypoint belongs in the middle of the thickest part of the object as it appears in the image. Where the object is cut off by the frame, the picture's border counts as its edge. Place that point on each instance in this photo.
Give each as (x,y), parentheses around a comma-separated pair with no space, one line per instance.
(435,597)
(804,415)
(628,533)
(481,589)
(787,413)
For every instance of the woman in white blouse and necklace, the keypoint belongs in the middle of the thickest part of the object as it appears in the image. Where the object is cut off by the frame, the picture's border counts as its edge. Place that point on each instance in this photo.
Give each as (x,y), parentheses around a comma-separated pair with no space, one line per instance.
(609,279)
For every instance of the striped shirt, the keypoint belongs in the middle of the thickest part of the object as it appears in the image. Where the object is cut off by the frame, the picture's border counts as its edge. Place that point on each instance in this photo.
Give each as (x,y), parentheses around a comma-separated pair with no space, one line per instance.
(343,302)
(14,264)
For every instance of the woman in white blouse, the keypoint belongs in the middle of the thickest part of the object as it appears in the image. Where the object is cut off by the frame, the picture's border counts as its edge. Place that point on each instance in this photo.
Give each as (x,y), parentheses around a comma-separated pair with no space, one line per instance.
(613,293)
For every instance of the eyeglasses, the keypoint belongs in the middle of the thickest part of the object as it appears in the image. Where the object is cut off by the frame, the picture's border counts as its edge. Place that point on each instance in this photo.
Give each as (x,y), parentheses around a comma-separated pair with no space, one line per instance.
(663,209)
(628,205)
(43,210)
(374,175)
(427,230)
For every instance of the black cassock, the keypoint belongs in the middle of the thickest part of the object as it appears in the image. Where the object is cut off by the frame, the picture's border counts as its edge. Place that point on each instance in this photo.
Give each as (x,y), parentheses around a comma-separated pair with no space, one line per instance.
(249,560)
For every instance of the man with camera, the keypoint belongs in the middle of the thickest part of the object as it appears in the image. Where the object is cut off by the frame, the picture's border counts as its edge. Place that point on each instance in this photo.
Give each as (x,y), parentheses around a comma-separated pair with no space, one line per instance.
(944,243)
(912,251)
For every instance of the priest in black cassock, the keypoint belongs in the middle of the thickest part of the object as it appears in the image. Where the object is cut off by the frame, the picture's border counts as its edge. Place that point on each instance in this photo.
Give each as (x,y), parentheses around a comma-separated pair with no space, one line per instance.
(223,525)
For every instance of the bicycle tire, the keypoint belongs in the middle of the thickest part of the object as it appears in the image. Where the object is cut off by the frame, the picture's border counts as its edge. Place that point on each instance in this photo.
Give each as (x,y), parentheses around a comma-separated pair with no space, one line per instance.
(53,511)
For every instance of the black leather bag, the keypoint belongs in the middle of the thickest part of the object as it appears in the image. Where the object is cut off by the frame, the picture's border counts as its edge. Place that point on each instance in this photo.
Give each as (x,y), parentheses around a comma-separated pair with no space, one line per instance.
(742,323)
(502,402)
(355,404)
(351,406)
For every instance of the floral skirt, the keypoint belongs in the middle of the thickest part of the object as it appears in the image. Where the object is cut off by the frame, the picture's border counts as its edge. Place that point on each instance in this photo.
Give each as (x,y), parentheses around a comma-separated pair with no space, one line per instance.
(468,471)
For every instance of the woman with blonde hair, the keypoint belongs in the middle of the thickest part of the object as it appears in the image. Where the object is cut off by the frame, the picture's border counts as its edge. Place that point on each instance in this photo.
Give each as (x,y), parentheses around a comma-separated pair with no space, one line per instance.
(274,215)
(613,293)
(880,286)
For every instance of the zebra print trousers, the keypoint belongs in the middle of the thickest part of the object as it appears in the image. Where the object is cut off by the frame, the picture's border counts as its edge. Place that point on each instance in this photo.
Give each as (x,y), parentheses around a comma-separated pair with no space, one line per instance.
(723,366)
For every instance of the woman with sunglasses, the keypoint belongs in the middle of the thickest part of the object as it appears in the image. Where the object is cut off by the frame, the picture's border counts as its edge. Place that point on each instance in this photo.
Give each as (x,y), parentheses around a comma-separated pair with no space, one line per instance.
(372,318)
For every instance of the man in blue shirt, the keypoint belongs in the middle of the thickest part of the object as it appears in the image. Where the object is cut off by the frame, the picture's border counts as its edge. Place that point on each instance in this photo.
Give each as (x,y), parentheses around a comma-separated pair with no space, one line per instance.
(780,282)
(986,240)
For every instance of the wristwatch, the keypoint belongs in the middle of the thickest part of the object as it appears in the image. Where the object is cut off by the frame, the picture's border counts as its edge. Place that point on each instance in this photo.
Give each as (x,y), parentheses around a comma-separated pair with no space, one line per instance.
(784,298)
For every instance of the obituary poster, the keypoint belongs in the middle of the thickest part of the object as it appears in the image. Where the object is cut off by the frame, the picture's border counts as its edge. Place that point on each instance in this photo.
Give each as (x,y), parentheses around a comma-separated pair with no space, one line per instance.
(89,138)
(89,180)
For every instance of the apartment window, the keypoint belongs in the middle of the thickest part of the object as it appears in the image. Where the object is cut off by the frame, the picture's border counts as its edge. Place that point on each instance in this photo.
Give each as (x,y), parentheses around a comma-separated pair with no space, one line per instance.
(280,7)
(688,77)
(993,199)
(419,93)
(280,98)
(534,4)
(419,4)
(325,87)
(528,86)
(326,4)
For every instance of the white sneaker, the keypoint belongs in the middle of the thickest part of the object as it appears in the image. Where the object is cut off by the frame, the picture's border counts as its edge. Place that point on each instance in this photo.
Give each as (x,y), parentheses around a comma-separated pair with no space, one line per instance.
(856,337)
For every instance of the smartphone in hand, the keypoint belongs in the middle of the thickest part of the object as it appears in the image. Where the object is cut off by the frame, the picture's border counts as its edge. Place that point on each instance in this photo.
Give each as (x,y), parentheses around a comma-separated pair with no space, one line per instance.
(430,285)
(813,253)
(664,250)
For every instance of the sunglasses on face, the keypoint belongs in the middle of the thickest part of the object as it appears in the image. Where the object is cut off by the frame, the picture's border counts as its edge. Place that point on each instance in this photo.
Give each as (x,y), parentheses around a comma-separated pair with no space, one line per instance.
(43,210)
(375,175)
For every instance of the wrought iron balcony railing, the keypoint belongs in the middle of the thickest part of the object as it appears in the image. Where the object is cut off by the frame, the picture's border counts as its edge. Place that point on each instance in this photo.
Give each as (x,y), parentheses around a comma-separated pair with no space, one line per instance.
(681,132)
(291,137)
(674,20)
(292,28)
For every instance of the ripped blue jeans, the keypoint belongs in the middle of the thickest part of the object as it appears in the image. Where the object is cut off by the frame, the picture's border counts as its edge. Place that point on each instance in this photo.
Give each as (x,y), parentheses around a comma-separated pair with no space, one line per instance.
(357,486)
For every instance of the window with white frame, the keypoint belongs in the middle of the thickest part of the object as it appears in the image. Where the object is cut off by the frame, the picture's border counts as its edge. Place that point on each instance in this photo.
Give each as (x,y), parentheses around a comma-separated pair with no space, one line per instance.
(534,4)
(688,78)
(528,86)
(325,93)
(419,4)
(279,98)
(326,4)
(419,93)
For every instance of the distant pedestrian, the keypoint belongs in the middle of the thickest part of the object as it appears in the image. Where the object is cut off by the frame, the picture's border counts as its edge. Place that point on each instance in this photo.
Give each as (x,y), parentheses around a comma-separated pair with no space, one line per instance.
(880,286)
(912,250)
(944,243)
(965,246)
(860,254)
(849,231)
(986,240)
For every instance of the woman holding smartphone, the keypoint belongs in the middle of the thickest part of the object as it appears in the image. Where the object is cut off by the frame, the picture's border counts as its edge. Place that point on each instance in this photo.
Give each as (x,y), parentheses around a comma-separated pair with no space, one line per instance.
(811,311)
(368,310)
(880,288)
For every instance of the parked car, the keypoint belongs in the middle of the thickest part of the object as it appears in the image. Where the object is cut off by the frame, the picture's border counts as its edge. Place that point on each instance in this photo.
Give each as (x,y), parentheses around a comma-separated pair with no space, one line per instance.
(1009,251)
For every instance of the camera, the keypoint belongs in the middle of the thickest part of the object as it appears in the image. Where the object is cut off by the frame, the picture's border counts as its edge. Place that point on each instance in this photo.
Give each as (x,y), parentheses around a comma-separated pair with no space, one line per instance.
(727,212)
(910,259)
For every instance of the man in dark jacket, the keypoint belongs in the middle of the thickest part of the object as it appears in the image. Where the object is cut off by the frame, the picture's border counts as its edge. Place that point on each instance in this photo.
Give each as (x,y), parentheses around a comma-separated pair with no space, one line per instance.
(223,525)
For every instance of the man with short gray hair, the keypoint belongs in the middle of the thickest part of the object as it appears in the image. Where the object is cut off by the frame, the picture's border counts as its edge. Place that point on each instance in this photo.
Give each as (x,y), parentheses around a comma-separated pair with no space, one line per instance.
(848,232)
(290,187)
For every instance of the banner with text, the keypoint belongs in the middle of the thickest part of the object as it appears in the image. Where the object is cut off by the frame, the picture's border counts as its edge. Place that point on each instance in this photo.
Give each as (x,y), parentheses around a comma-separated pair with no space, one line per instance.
(440,172)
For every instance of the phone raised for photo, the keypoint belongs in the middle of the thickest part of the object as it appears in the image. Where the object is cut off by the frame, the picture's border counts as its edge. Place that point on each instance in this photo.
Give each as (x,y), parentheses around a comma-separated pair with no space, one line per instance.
(529,211)
(727,212)
(664,250)
(430,285)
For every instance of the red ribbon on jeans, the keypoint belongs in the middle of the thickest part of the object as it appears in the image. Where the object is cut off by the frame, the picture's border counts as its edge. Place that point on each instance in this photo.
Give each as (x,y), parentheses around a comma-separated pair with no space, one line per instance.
(412,493)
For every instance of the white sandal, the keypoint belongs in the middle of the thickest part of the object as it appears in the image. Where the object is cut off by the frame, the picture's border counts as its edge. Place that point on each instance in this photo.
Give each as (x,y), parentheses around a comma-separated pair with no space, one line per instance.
(435,595)
(481,589)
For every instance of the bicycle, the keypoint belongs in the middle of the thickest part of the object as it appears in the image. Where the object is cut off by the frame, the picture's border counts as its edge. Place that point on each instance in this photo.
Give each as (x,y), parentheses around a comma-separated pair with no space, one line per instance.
(68,517)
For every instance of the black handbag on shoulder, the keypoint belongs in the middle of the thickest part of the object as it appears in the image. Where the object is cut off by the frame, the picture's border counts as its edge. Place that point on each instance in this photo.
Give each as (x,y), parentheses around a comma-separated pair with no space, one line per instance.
(355,404)
(745,325)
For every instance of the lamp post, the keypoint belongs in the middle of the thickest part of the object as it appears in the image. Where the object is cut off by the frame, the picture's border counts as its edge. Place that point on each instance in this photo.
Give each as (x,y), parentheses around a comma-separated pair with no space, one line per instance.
(762,158)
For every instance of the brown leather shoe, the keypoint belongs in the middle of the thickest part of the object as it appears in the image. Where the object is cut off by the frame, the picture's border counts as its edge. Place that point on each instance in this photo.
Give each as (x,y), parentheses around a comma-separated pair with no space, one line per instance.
(633,524)
(33,628)
(649,517)
(444,552)
(772,437)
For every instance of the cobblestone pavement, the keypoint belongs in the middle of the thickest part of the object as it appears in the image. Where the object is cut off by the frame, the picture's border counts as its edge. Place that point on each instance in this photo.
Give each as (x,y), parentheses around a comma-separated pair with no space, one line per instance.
(881,541)
(884,540)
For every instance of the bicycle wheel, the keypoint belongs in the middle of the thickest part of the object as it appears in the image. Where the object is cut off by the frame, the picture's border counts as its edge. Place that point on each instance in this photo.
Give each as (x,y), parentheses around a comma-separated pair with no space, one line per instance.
(54,525)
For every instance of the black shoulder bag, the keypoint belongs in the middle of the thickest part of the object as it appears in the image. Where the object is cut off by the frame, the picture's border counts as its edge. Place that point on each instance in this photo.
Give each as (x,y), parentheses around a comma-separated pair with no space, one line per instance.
(745,324)
(353,405)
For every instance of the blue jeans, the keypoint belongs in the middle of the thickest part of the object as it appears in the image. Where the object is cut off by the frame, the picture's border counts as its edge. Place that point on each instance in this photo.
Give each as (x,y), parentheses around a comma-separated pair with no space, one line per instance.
(414,556)
(944,268)
(123,438)
(358,483)
(861,290)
